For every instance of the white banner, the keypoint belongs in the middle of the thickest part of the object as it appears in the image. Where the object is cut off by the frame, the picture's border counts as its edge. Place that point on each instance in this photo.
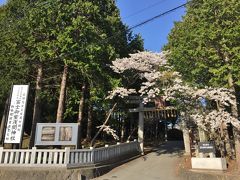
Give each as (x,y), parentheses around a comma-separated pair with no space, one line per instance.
(16,114)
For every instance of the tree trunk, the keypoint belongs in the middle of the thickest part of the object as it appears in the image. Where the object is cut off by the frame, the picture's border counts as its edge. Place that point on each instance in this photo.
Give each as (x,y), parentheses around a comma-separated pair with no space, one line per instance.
(105,122)
(224,137)
(80,114)
(61,101)
(4,120)
(234,110)
(90,121)
(37,104)
(131,133)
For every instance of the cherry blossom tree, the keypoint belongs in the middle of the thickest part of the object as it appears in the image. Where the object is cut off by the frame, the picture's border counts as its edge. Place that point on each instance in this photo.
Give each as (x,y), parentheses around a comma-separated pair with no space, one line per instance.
(158,78)
(151,68)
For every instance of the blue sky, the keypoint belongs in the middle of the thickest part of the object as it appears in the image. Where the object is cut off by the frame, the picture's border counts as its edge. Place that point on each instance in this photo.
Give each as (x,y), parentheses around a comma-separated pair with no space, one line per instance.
(2,2)
(154,33)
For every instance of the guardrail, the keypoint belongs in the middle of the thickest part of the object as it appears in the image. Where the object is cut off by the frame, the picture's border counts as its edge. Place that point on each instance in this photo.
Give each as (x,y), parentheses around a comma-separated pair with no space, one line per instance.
(66,157)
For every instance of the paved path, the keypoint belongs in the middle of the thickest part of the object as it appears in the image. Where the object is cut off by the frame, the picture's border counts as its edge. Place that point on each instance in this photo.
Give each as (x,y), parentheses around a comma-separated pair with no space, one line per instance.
(160,164)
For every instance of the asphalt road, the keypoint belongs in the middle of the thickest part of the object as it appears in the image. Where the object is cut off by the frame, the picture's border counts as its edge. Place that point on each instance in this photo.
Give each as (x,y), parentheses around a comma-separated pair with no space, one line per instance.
(161,164)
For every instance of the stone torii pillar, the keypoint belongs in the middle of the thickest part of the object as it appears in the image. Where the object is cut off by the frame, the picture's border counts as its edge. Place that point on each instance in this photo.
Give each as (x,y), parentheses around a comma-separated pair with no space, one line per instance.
(140,111)
(141,126)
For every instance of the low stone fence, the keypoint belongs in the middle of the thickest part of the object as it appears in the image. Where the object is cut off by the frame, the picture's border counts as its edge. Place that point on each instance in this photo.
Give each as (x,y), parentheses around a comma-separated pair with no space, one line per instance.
(66,157)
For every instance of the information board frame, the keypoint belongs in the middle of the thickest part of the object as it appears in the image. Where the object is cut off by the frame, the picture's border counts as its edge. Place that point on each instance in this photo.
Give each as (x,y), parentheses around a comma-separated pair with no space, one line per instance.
(40,140)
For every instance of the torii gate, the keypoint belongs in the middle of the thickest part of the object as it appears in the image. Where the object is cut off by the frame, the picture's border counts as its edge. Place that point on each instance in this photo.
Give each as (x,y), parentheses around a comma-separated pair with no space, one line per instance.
(142,115)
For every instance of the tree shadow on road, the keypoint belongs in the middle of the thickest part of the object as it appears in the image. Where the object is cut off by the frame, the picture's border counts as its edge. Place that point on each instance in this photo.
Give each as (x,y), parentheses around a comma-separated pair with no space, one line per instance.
(172,148)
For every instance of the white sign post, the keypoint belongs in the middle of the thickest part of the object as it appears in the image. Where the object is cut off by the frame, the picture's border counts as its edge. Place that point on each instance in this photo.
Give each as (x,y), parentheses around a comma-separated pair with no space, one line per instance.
(16,114)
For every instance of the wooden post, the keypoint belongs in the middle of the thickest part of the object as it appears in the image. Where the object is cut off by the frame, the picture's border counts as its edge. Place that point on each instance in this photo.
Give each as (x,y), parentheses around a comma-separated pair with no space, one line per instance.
(141,127)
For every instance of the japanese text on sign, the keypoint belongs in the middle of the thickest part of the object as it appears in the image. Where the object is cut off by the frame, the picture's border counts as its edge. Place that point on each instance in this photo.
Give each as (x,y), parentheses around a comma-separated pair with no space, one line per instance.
(16,114)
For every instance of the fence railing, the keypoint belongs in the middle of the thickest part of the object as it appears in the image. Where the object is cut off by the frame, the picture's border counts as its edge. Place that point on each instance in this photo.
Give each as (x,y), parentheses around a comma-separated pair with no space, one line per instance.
(65,157)
(80,157)
(33,157)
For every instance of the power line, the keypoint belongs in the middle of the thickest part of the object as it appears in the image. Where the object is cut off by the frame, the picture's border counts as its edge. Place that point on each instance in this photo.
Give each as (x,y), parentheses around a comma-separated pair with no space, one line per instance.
(144,9)
(158,16)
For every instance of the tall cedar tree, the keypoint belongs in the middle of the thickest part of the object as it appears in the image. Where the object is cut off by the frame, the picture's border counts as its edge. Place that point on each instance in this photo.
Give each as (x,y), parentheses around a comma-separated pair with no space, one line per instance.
(70,42)
(205,46)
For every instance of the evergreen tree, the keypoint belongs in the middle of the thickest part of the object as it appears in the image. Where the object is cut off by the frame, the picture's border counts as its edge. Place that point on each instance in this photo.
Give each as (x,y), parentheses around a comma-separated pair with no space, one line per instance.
(62,42)
(205,44)
(205,47)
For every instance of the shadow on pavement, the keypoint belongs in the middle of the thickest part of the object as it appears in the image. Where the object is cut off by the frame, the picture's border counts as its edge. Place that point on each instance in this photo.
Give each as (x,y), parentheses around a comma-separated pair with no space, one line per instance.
(173,148)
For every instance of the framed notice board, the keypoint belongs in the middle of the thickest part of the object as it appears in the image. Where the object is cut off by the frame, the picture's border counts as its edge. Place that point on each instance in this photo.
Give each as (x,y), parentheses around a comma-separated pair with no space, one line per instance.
(51,134)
